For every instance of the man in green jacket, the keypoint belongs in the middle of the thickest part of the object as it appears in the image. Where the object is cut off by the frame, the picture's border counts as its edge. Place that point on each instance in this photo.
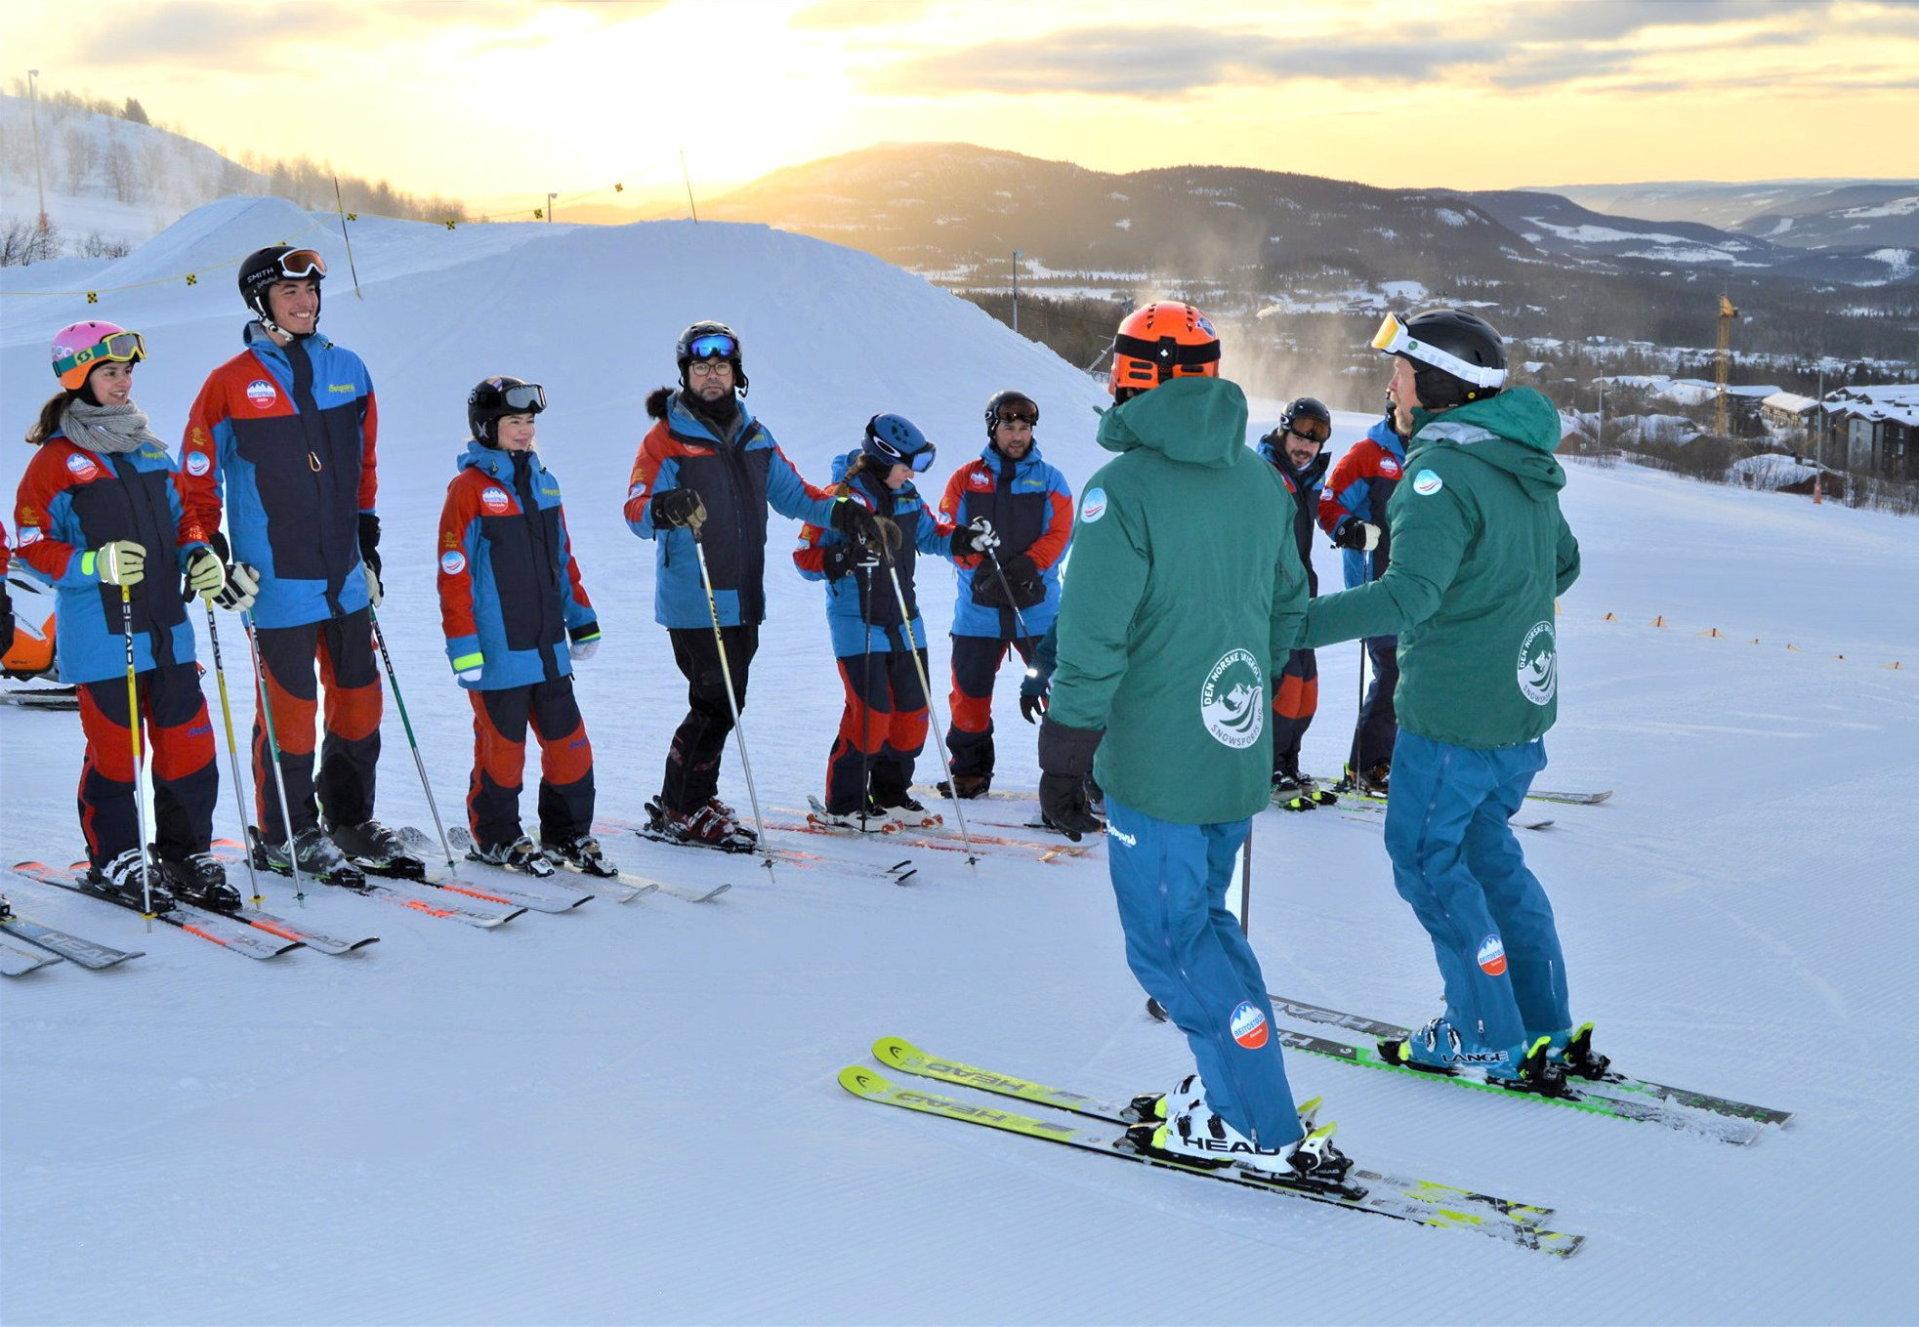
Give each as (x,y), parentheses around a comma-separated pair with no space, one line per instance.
(1480,551)
(1186,593)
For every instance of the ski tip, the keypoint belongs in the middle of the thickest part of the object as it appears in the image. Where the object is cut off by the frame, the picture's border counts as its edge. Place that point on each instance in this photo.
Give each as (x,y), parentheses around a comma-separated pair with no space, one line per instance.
(863,1082)
(896,1051)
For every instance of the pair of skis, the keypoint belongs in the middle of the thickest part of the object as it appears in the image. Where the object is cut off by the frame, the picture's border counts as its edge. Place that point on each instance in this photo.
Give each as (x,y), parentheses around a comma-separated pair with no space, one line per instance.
(248,931)
(622,886)
(1420,1201)
(899,873)
(46,946)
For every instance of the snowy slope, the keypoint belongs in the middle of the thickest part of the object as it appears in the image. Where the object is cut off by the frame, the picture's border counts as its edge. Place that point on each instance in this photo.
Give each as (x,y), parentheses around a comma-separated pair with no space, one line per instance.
(629,1113)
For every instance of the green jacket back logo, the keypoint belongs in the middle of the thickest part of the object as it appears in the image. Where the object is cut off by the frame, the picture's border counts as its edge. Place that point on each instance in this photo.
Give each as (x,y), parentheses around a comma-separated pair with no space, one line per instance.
(1232,704)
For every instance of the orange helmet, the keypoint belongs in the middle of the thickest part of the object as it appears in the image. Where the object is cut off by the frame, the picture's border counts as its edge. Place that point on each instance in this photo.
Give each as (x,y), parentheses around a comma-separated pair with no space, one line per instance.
(1162,341)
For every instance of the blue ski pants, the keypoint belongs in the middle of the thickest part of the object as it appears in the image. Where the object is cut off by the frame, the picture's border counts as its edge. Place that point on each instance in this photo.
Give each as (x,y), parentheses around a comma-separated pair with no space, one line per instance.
(1456,861)
(1170,881)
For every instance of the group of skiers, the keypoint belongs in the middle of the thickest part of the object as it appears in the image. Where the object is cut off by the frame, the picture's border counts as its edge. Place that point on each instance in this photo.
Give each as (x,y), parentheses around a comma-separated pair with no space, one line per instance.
(1173,668)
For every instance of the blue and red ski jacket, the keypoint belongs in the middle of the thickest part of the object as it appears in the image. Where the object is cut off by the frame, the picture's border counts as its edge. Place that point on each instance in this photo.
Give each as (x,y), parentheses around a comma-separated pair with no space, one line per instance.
(864,617)
(737,477)
(284,438)
(70,502)
(1361,483)
(1031,508)
(510,591)
(1306,486)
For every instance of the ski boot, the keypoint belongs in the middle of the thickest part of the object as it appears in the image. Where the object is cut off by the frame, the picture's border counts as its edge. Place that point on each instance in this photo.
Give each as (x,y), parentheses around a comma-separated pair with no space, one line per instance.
(970,786)
(519,855)
(6,909)
(582,854)
(870,820)
(1192,1133)
(317,856)
(200,878)
(903,811)
(702,827)
(1291,793)
(125,880)
(1534,1070)
(377,850)
(1573,1052)
(1369,782)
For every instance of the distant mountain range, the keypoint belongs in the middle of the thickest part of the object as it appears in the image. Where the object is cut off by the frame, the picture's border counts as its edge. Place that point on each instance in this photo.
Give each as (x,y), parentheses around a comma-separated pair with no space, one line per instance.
(1801,213)
(1262,241)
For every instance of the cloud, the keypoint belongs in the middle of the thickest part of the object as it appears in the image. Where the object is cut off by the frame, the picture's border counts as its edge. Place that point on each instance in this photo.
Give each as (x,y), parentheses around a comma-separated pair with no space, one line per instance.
(254,37)
(1164,62)
(830,14)
(1614,20)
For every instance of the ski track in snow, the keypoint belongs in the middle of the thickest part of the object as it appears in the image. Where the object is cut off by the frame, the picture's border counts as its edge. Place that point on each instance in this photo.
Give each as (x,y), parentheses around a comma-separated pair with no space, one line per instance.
(629,1112)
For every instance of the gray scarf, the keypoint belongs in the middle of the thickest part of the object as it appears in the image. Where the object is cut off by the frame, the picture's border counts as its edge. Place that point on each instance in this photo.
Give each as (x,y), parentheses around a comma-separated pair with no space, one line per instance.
(107,429)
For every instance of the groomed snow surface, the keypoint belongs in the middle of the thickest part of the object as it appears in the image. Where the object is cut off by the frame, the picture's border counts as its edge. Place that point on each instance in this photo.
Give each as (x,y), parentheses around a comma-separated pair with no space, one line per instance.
(630,1114)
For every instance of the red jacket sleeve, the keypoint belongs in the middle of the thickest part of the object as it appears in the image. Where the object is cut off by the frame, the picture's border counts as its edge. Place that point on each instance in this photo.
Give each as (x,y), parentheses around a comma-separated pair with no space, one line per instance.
(369,453)
(950,504)
(1047,549)
(198,478)
(456,559)
(44,480)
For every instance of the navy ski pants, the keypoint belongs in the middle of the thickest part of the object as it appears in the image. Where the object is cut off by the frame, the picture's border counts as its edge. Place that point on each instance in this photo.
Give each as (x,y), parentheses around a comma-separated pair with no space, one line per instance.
(1188,952)
(1456,861)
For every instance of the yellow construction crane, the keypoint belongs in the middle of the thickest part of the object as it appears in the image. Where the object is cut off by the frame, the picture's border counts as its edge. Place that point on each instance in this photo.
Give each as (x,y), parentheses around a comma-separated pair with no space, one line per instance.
(1722,365)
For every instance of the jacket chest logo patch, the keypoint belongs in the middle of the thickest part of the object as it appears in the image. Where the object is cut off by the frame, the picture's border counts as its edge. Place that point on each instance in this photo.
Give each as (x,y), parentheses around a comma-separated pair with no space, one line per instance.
(81,467)
(1232,703)
(495,500)
(980,480)
(1538,670)
(262,394)
(1388,468)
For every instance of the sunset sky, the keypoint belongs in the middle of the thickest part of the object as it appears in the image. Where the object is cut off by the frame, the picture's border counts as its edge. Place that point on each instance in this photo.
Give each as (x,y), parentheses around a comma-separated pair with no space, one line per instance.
(494,100)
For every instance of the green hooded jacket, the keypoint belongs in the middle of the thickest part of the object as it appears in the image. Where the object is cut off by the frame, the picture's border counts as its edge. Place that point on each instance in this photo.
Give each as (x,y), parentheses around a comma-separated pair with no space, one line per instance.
(1479,552)
(1185,588)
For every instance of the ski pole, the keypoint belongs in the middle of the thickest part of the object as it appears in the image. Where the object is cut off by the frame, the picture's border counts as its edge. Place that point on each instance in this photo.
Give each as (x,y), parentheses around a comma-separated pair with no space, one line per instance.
(1006,588)
(926,691)
(139,761)
(233,751)
(279,764)
(393,680)
(732,701)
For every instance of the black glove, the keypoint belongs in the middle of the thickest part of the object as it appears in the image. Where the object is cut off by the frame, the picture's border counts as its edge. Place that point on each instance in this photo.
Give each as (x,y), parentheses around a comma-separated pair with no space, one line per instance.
(853,520)
(1360,536)
(1035,693)
(1019,568)
(369,541)
(854,556)
(678,506)
(1065,759)
(6,619)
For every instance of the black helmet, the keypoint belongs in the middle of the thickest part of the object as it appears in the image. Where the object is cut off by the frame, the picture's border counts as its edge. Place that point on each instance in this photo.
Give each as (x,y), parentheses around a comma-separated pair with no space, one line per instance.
(1021,402)
(1456,357)
(707,339)
(277,262)
(1303,409)
(496,397)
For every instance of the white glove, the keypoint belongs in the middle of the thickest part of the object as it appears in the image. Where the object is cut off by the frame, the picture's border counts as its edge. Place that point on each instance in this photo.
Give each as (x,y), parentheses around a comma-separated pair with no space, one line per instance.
(582,650)
(1371,532)
(374,593)
(471,674)
(981,534)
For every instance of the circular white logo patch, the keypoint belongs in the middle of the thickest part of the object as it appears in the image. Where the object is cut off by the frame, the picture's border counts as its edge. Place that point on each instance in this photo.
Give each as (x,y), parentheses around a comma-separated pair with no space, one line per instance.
(1232,704)
(1389,467)
(197,463)
(1427,484)
(261,393)
(81,467)
(1093,505)
(453,562)
(494,499)
(1539,664)
(30,534)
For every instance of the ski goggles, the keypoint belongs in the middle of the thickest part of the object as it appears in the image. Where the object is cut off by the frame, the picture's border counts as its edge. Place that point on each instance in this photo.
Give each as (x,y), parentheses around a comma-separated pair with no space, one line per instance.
(1313,430)
(1019,414)
(527,398)
(713,345)
(1392,338)
(118,348)
(298,264)
(921,461)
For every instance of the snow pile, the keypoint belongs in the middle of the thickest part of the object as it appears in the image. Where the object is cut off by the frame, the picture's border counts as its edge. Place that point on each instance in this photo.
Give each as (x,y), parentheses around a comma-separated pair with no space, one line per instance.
(1769,471)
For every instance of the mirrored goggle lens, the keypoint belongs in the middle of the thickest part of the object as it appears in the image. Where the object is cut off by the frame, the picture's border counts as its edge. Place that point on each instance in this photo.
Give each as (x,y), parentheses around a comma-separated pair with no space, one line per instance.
(302,263)
(921,461)
(526,399)
(1312,430)
(714,346)
(1390,336)
(1018,415)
